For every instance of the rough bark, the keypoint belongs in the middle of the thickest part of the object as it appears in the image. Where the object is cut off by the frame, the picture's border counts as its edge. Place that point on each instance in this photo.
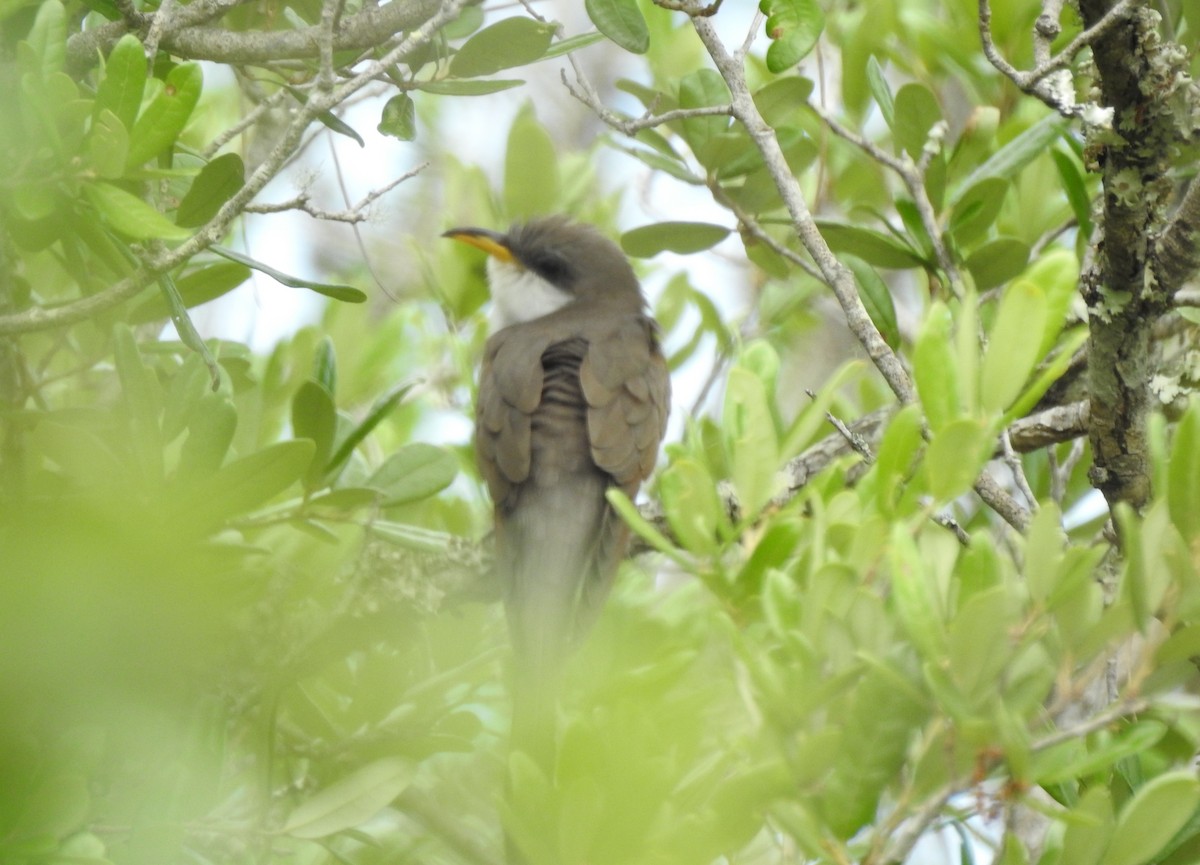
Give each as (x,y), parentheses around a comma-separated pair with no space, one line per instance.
(1138,76)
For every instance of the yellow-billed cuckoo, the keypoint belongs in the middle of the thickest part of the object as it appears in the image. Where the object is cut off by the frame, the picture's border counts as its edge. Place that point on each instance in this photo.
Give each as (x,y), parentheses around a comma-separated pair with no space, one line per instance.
(573,399)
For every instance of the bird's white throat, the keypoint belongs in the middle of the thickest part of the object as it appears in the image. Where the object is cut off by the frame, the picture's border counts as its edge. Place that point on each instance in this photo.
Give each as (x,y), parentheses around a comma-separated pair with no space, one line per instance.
(520,295)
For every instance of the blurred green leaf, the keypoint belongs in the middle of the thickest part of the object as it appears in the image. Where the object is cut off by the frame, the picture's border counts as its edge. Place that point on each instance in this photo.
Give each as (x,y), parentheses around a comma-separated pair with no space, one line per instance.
(240,486)
(130,215)
(123,82)
(683,238)
(703,88)
(48,37)
(916,112)
(217,182)
(997,261)
(562,47)
(622,22)
(934,368)
(1012,157)
(751,439)
(881,91)
(510,42)
(414,472)
(1011,355)
(531,179)
(793,26)
(315,417)
(1183,492)
(160,122)
(693,508)
(350,801)
(1148,821)
(877,298)
(108,145)
(399,118)
(379,411)
(210,433)
(976,210)
(956,456)
(873,247)
(195,287)
(1088,834)
(446,87)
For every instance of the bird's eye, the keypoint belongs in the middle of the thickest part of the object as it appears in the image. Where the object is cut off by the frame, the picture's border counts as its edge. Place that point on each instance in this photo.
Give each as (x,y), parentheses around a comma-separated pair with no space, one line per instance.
(553,268)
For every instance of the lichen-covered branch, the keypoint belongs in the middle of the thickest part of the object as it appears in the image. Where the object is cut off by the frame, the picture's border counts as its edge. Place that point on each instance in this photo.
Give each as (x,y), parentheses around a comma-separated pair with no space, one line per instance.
(1143,80)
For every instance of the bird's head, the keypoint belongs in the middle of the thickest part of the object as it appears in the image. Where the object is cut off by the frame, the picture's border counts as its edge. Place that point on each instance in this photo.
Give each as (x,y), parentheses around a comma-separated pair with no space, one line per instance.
(541,266)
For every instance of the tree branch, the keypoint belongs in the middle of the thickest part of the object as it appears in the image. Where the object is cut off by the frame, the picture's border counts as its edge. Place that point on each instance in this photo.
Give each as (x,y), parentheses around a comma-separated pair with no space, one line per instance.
(184,37)
(41,319)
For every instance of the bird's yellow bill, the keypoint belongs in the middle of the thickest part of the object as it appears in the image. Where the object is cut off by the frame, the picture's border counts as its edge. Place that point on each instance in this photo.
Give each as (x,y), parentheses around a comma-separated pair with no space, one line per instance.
(481,238)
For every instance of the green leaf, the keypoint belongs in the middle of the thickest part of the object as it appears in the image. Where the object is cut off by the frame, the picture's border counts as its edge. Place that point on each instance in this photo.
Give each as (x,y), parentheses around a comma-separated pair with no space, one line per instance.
(510,42)
(130,216)
(399,118)
(1057,274)
(186,329)
(1075,186)
(416,471)
(210,433)
(876,297)
(531,179)
(642,527)
(1012,157)
(416,538)
(780,100)
(881,92)
(934,368)
(956,456)
(445,87)
(873,247)
(683,238)
(702,89)
(380,410)
(572,43)
(48,37)
(1149,820)
(689,498)
(350,801)
(793,26)
(143,403)
(1011,355)
(217,182)
(1183,491)
(123,82)
(1100,756)
(108,145)
(977,208)
(916,597)
(325,365)
(997,261)
(58,806)
(622,22)
(166,115)
(345,293)
(752,442)
(314,417)
(916,111)
(240,486)
(195,287)
(1089,828)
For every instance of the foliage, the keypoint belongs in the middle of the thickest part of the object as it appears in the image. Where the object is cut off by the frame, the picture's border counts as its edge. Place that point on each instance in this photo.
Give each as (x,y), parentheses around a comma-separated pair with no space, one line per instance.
(245,614)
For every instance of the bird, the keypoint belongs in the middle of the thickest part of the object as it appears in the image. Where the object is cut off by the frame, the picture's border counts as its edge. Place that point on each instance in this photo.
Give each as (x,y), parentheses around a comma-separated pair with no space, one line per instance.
(573,399)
